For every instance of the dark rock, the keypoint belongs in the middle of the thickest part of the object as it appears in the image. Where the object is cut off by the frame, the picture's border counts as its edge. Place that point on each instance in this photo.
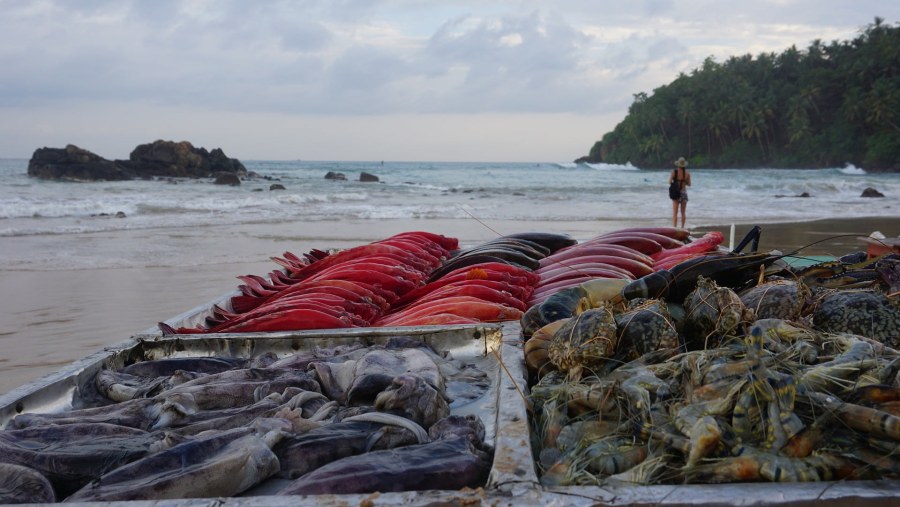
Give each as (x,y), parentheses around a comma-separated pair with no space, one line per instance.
(120,214)
(804,194)
(331,175)
(158,159)
(871,192)
(227,179)
(364,176)
(168,158)
(276,186)
(73,164)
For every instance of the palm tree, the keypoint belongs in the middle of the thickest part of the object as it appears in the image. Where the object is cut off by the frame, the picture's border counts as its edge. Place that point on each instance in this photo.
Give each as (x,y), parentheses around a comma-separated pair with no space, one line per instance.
(854,105)
(810,94)
(686,114)
(754,126)
(653,146)
(881,102)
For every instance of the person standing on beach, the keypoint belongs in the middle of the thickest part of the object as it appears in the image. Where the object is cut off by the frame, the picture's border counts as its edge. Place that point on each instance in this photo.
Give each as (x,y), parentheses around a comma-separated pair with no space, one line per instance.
(683,177)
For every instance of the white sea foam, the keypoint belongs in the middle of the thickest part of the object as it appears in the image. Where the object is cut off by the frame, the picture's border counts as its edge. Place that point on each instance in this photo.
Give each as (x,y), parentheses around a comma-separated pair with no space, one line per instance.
(430,190)
(613,167)
(853,170)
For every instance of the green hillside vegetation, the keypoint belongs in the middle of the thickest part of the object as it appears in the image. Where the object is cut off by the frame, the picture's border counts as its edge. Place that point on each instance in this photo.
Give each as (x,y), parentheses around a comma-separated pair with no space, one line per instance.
(824,106)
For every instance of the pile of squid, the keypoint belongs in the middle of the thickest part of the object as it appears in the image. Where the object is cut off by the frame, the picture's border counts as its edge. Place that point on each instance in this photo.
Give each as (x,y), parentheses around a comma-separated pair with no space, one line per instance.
(728,367)
(338,420)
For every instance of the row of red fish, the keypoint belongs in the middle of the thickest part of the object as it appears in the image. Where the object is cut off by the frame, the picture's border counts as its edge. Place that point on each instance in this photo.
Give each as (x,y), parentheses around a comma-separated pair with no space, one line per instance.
(378,284)
(397,281)
(627,253)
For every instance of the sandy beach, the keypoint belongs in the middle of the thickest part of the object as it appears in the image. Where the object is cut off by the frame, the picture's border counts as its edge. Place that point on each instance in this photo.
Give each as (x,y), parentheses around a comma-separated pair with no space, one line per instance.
(51,317)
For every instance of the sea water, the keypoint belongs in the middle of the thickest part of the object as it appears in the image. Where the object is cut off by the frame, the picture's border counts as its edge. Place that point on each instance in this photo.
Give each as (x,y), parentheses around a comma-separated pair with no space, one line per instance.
(432,190)
(66,217)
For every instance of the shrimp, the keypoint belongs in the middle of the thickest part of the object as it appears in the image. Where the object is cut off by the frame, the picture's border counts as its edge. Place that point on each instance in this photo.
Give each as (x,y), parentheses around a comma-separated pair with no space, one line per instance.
(755,465)
(595,396)
(603,457)
(802,444)
(868,420)
(585,431)
(613,459)
(783,422)
(705,437)
(553,420)
(834,376)
(822,467)
(637,390)
(646,472)
(688,415)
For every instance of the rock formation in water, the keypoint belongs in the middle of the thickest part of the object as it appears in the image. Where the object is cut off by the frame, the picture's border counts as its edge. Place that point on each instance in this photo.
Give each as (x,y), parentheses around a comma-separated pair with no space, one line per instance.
(157,159)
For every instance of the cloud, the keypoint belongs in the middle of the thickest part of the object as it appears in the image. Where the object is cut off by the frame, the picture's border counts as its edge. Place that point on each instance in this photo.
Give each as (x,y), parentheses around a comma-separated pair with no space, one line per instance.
(388,57)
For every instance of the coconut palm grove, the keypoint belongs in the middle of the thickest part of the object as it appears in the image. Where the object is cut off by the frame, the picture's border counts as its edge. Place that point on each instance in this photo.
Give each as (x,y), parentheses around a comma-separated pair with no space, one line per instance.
(823,106)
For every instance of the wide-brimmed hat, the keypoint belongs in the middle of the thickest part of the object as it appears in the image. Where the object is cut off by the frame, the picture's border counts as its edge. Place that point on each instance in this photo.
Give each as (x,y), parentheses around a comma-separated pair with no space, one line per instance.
(681,162)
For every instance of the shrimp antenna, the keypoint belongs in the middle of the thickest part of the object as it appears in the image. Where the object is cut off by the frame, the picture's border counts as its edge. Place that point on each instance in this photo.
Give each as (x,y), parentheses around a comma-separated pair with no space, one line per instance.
(486,226)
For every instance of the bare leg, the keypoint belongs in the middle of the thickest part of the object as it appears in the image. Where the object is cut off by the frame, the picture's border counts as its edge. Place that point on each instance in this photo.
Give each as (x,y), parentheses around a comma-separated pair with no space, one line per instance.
(674,213)
(683,208)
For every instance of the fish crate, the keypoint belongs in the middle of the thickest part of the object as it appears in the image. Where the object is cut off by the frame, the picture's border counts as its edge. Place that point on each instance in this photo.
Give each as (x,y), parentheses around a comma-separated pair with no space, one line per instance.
(492,348)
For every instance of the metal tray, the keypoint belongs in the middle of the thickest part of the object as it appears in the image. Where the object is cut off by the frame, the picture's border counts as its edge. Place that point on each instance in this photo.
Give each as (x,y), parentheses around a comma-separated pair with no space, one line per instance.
(513,478)
(481,345)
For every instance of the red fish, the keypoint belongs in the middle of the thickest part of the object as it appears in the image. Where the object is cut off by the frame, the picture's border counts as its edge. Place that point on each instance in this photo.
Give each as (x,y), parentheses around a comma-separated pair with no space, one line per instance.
(636,268)
(673,260)
(447,243)
(709,242)
(593,270)
(664,241)
(672,232)
(243,304)
(344,256)
(381,266)
(644,245)
(426,249)
(464,306)
(479,291)
(501,267)
(327,303)
(517,291)
(595,249)
(440,319)
(291,320)
(464,276)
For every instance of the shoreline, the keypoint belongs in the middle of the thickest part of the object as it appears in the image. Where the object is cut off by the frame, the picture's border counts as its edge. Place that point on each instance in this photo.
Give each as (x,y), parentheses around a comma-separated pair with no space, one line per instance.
(63,306)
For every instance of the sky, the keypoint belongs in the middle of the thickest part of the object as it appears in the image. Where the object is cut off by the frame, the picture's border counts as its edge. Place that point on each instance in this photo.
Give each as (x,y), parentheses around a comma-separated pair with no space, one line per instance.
(401,80)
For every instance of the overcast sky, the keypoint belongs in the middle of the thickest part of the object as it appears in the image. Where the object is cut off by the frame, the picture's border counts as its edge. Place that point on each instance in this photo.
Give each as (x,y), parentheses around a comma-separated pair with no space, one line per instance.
(467,80)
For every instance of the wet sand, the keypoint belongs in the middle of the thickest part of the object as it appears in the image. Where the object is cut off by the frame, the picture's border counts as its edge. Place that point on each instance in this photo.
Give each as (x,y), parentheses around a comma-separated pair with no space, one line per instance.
(69,305)
(834,237)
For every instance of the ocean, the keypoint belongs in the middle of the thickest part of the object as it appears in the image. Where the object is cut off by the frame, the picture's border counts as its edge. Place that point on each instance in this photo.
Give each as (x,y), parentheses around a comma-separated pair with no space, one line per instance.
(76,278)
(424,191)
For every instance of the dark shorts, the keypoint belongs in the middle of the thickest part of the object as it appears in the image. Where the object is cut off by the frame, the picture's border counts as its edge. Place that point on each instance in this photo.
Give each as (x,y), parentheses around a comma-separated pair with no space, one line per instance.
(683,197)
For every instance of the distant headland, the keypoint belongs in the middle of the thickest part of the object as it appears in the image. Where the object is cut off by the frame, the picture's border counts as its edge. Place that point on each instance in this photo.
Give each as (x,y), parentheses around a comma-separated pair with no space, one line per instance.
(828,105)
(163,159)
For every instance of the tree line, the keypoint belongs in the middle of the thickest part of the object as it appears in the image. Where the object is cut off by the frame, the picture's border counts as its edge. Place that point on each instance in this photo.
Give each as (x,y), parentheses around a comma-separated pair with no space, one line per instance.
(824,106)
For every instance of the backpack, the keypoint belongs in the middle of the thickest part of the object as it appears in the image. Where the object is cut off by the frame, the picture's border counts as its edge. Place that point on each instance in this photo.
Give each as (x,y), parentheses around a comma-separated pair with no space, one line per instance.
(675,189)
